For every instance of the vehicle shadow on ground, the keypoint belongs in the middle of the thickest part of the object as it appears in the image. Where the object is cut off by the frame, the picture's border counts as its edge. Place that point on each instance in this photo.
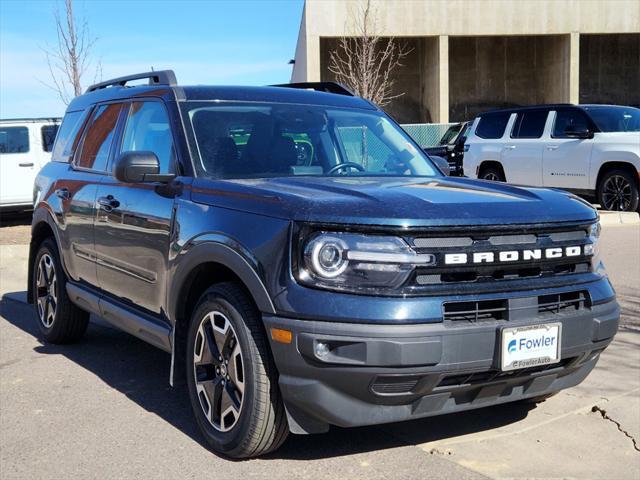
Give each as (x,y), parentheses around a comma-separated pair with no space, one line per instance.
(12,219)
(141,372)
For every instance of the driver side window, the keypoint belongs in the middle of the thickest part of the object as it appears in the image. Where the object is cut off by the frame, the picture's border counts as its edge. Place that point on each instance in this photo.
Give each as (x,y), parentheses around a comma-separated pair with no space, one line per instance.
(568,118)
(148,129)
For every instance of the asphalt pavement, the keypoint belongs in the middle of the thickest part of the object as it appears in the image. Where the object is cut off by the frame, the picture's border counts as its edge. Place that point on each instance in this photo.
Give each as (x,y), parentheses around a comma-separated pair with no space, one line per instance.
(103,408)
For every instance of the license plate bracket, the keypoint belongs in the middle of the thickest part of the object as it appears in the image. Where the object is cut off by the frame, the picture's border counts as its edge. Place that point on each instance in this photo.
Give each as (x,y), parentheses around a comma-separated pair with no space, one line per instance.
(530,346)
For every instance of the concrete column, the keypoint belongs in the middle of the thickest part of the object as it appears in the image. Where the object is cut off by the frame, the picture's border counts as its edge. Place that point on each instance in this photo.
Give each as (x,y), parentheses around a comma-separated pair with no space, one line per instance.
(313,59)
(574,68)
(435,79)
(443,79)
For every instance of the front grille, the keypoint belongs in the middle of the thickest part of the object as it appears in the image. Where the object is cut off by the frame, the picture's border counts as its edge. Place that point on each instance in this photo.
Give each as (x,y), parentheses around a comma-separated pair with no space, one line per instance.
(497,241)
(476,378)
(499,309)
(559,302)
(485,310)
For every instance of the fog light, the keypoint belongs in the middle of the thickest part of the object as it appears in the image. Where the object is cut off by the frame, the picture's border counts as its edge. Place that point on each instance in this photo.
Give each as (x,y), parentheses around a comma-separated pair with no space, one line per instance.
(322,349)
(588,249)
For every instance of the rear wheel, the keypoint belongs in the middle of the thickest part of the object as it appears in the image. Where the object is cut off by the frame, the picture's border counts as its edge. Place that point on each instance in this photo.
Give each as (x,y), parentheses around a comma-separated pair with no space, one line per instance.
(232,381)
(59,320)
(492,173)
(618,191)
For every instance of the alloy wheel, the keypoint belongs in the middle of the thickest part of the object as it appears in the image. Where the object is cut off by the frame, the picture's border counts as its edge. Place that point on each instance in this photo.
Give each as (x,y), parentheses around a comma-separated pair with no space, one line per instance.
(491,176)
(616,193)
(219,371)
(47,286)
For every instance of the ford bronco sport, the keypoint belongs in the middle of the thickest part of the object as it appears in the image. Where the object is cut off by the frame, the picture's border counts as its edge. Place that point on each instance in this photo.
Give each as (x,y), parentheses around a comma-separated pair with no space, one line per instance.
(305,263)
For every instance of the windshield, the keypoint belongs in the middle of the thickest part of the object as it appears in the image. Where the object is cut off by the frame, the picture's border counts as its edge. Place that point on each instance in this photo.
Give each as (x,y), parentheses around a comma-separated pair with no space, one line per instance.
(451,134)
(615,119)
(259,140)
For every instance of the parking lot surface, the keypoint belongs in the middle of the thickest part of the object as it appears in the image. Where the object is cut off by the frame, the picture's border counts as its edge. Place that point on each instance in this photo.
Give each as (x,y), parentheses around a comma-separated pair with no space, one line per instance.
(103,409)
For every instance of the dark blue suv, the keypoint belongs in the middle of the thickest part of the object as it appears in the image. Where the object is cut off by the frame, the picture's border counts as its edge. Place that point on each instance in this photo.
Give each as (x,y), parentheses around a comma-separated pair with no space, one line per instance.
(305,263)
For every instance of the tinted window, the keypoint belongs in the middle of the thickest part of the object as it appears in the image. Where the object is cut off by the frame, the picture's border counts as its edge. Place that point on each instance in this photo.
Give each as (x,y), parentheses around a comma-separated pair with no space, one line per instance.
(529,124)
(99,136)
(14,139)
(148,130)
(566,118)
(49,137)
(67,137)
(260,140)
(492,125)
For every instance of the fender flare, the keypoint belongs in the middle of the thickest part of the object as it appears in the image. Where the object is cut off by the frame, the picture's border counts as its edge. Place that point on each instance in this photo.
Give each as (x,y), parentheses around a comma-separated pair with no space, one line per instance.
(218,251)
(42,215)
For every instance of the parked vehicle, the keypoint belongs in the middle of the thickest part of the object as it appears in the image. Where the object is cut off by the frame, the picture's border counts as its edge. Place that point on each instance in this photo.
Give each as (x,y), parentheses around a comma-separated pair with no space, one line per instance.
(451,147)
(591,150)
(358,288)
(25,146)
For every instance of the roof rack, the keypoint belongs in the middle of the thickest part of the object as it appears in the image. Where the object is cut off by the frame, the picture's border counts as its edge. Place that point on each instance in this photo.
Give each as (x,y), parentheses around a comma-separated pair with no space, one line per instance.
(328,87)
(161,77)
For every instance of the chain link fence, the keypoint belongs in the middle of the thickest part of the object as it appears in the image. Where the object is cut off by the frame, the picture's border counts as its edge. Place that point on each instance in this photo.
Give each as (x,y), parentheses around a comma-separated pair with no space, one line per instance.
(427,134)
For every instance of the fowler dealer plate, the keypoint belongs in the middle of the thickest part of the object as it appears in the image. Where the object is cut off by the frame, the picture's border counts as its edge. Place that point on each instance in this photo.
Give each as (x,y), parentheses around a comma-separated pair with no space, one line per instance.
(531,346)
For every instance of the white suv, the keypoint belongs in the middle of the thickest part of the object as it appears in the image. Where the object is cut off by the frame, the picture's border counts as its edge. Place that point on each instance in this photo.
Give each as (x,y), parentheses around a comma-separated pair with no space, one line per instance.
(25,146)
(591,150)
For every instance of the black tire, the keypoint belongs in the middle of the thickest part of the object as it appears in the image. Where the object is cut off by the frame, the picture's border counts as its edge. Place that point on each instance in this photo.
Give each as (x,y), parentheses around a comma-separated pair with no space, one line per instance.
(618,191)
(260,425)
(492,173)
(67,323)
(538,399)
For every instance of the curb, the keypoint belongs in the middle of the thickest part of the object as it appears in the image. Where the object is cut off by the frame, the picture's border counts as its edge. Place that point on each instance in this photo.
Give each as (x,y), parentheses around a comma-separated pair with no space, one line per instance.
(619,218)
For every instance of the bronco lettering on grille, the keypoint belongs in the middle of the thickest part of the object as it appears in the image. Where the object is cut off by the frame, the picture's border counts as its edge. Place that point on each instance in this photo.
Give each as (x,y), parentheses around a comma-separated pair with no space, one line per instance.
(512,255)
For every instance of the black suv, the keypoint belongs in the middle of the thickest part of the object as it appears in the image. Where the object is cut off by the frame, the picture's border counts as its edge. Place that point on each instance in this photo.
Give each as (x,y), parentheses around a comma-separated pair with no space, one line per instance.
(306,262)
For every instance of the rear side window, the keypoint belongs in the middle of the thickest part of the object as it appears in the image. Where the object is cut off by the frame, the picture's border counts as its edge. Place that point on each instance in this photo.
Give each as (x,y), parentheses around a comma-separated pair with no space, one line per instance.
(529,124)
(568,118)
(99,137)
(148,130)
(14,139)
(48,137)
(492,125)
(67,137)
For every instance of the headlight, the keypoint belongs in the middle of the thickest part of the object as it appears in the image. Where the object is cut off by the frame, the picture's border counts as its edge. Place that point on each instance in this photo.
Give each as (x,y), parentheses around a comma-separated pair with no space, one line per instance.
(592,249)
(353,262)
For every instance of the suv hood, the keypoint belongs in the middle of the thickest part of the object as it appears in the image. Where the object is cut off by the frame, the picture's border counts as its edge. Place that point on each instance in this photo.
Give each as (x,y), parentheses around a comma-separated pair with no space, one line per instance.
(396,201)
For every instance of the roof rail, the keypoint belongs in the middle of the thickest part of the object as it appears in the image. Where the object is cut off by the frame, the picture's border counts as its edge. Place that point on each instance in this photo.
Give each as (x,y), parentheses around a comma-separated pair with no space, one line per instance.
(329,87)
(161,77)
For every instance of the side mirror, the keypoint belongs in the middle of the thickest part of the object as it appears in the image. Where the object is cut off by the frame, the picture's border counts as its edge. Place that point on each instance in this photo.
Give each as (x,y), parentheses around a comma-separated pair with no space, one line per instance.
(139,167)
(575,131)
(442,164)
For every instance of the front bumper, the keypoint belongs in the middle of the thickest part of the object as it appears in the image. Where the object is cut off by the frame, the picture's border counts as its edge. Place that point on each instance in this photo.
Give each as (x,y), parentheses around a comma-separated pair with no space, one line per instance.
(386,373)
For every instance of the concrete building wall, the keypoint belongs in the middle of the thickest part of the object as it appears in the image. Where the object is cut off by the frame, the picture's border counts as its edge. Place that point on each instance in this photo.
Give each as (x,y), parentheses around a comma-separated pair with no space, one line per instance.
(496,72)
(524,51)
(610,69)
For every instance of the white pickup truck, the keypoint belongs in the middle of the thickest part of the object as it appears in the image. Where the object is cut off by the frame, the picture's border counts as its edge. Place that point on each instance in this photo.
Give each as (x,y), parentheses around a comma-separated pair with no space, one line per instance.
(591,150)
(25,146)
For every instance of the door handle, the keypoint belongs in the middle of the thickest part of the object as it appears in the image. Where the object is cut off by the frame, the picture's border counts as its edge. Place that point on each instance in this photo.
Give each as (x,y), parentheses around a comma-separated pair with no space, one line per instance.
(108,203)
(26,164)
(552,147)
(63,193)
(509,147)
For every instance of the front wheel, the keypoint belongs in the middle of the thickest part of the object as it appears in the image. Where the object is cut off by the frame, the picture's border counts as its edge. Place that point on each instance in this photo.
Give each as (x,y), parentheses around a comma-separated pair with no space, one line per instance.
(231,377)
(618,191)
(492,173)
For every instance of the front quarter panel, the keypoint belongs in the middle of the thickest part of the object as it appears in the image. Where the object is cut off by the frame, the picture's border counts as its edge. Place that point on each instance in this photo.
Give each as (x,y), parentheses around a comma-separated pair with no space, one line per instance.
(253,246)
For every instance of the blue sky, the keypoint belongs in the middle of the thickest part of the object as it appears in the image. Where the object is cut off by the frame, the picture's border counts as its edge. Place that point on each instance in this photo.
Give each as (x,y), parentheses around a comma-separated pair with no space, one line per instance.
(204,41)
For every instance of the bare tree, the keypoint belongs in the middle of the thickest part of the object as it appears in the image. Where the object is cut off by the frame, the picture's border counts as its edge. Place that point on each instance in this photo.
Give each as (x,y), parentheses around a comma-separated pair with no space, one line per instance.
(70,59)
(364,61)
